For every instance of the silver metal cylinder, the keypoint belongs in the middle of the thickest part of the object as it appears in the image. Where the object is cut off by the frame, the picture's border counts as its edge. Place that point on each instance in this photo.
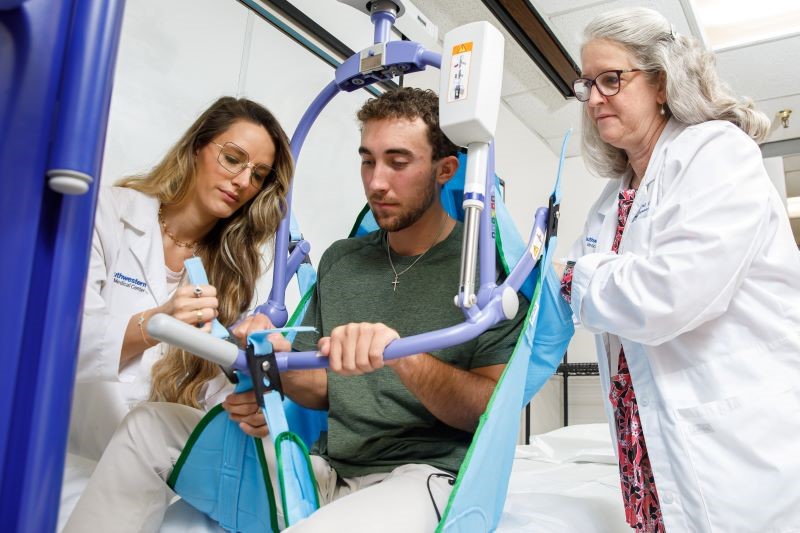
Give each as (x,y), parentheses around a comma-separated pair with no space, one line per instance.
(469,256)
(172,331)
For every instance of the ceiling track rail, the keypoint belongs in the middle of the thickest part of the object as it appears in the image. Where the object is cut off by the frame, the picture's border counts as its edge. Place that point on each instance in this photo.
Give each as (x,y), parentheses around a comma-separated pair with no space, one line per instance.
(525,24)
(309,26)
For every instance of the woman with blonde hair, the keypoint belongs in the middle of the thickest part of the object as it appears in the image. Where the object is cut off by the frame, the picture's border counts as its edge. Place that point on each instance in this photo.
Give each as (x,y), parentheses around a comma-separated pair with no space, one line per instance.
(218,194)
(687,272)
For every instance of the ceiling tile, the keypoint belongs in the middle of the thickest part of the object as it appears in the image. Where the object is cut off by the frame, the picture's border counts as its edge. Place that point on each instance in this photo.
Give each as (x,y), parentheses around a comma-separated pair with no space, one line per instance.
(568,27)
(526,76)
(551,7)
(548,117)
(573,146)
(543,110)
(762,71)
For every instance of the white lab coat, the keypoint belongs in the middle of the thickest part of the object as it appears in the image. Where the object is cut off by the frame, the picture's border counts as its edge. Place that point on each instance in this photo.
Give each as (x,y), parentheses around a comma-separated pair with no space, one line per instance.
(704,296)
(127,275)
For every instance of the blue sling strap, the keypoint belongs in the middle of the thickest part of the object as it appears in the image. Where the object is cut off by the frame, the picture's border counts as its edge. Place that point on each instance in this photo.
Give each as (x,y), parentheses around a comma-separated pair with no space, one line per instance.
(295,475)
(478,497)
(221,472)
(197,276)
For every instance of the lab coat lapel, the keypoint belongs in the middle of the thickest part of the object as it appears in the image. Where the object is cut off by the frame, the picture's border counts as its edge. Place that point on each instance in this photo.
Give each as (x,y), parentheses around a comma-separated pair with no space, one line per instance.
(608,225)
(637,235)
(148,248)
(655,166)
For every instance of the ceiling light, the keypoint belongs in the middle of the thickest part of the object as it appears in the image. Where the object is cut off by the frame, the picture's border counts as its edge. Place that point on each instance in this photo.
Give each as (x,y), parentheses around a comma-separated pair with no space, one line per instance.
(733,23)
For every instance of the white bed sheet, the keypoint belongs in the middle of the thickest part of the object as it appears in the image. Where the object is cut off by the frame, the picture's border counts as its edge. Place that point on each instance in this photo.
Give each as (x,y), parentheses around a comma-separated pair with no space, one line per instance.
(564,481)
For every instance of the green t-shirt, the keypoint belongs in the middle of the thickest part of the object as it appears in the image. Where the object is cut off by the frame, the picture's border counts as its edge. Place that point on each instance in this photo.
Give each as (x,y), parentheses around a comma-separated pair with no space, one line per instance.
(374,423)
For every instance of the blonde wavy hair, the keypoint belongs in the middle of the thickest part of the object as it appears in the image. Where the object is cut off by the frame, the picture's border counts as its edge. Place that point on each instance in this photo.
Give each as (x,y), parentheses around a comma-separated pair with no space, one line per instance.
(694,91)
(232,250)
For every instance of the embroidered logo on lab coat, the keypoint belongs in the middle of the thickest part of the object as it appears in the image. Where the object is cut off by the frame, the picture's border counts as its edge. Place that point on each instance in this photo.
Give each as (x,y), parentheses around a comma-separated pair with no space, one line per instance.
(642,212)
(591,242)
(130,282)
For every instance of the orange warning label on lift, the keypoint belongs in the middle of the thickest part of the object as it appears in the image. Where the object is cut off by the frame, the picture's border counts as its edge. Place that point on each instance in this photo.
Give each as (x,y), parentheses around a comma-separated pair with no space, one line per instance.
(459,72)
(462,48)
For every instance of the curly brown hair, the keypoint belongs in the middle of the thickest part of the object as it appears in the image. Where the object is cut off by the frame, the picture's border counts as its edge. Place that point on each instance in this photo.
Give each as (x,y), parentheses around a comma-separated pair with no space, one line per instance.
(411,103)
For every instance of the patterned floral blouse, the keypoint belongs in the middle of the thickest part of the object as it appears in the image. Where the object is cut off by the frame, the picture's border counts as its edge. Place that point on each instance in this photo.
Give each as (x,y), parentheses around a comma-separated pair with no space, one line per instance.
(639,495)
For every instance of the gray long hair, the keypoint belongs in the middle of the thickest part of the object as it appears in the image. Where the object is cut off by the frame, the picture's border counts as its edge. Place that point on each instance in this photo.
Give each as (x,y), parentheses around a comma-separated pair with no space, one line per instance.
(694,91)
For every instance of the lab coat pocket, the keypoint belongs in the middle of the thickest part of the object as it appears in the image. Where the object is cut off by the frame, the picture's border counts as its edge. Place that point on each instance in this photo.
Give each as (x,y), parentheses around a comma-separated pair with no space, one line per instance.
(742,452)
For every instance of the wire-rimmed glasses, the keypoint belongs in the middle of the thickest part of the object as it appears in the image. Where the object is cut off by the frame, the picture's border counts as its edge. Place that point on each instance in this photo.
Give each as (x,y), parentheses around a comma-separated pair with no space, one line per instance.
(235,159)
(607,83)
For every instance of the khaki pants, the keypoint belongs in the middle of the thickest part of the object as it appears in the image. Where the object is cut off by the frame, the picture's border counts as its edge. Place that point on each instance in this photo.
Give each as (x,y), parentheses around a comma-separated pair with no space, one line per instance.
(128,493)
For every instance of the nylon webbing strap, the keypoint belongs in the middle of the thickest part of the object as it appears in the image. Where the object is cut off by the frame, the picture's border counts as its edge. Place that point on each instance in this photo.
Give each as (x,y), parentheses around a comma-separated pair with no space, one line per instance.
(297,489)
(294,229)
(562,156)
(197,276)
(230,477)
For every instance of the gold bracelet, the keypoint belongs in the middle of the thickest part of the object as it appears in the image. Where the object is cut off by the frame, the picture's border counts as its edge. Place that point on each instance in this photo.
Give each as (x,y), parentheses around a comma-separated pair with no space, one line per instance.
(141,330)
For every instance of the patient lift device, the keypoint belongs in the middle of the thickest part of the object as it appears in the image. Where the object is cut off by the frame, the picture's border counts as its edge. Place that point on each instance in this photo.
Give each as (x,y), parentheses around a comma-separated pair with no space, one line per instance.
(469,102)
(469,95)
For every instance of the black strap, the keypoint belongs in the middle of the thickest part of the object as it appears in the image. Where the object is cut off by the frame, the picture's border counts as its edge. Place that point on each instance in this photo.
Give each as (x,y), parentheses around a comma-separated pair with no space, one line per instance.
(265,374)
(553,214)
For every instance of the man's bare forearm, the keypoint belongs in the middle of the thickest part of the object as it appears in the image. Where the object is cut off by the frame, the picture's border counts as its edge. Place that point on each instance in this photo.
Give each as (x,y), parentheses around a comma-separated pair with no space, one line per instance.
(456,397)
(308,388)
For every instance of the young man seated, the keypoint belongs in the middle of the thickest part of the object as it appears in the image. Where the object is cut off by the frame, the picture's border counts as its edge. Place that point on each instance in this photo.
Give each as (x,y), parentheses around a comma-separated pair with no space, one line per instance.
(397,430)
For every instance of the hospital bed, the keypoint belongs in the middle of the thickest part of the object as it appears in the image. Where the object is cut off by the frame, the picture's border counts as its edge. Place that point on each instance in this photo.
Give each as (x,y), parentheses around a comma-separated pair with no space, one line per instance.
(565,480)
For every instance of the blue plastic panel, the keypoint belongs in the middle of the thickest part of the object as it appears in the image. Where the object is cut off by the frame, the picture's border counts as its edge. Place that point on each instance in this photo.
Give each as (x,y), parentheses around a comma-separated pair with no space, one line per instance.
(49,236)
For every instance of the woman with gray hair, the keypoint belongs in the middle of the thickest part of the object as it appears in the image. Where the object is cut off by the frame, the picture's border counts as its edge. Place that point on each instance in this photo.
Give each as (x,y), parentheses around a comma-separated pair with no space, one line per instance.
(689,276)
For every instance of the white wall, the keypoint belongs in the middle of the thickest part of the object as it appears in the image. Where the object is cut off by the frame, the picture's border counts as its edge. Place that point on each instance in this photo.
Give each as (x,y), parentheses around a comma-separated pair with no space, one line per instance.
(166,75)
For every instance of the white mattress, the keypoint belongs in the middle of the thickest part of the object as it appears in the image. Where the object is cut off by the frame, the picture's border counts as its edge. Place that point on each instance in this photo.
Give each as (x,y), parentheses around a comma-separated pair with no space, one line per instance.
(564,481)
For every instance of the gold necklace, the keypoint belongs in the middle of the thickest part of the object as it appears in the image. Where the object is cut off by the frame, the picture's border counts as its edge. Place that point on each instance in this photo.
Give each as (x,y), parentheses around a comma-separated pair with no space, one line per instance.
(191,245)
(391,263)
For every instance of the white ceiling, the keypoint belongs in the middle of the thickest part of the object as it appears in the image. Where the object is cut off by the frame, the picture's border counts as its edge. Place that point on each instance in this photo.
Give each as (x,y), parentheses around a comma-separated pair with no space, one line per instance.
(767,72)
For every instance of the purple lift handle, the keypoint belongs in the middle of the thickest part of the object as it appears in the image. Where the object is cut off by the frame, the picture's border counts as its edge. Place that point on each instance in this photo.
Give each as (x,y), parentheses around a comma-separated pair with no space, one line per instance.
(487,317)
(275,307)
(170,330)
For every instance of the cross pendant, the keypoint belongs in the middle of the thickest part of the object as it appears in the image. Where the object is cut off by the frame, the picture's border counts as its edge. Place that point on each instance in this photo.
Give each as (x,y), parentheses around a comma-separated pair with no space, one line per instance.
(394,284)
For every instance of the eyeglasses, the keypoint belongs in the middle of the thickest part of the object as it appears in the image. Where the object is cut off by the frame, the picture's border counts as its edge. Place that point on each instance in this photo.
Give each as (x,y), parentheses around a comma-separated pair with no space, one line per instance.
(235,159)
(607,83)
